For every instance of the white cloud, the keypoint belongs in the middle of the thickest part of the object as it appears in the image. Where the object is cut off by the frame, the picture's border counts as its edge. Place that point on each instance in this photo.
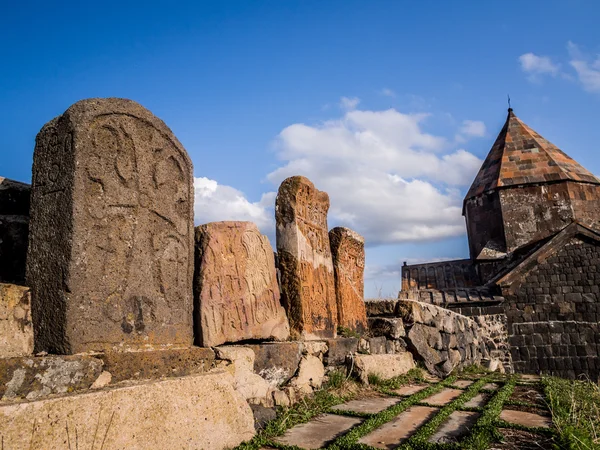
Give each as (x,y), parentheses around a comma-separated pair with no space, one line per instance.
(217,202)
(388,92)
(386,177)
(347,103)
(588,71)
(536,65)
(474,128)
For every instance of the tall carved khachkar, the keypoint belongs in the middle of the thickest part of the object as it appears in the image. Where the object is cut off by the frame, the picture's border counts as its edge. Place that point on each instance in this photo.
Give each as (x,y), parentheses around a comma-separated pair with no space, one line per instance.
(235,286)
(348,251)
(304,255)
(111,235)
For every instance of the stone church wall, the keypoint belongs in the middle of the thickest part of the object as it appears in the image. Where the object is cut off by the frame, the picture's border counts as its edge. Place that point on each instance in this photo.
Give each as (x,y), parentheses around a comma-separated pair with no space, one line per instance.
(554,315)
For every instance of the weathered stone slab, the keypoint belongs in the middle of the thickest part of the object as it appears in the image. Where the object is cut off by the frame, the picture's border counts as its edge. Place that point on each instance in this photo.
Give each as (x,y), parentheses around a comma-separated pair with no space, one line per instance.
(251,386)
(201,411)
(410,389)
(277,362)
(462,384)
(304,256)
(443,397)
(371,405)
(490,387)
(381,306)
(455,427)
(151,365)
(37,377)
(390,327)
(478,401)
(318,432)
(525,418)
(310,374)
(111,232)
(338,349)
(236,293)
(348,253)
(14,230)
(384,366)
(16,329)
(377,345)
(401,428)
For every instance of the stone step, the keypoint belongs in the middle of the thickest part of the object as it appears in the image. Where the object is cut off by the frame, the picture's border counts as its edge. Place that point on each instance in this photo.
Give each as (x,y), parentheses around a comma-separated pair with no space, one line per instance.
(443,397)
(371,405)
(477,401)
(318,432)
(455,427)
(525,418)
(399,429)
(462,384)
(410,389)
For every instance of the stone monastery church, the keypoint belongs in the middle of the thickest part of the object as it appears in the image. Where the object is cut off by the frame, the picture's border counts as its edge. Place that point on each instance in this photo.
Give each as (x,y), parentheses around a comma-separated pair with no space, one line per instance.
(533,224)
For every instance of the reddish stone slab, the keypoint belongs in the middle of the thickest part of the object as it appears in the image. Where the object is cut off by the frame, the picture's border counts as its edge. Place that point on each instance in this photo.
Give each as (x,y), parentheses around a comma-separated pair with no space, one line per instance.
(390,435)
(462,383)
(457,425)
(491,387)
(318,432)
(525,418)
(348,252)
(443,397)
(370,405)
(410,389)
(235,286)
(304,257)
(111,232)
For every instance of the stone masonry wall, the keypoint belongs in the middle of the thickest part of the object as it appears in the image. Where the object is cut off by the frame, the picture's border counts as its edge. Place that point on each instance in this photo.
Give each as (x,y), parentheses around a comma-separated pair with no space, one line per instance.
(554,315)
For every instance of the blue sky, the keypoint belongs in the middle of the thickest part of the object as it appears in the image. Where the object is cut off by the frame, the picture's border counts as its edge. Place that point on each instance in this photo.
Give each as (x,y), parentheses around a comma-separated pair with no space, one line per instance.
(387,105)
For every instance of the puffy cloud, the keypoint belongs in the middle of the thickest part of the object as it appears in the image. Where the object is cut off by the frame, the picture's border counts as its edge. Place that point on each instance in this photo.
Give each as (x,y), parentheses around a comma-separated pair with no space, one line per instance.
(386,177)
(347,103)
(536,65)
(216,202)
(588,71)
(474,128)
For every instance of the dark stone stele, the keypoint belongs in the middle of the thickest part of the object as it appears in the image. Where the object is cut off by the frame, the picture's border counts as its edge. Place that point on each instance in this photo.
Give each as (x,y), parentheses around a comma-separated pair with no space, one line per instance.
(111,236)
(14,230)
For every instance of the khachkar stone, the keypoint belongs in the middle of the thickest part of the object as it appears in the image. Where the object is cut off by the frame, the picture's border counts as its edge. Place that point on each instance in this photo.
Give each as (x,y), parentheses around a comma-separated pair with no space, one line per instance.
(236,293)
(304,256)
(348,252)
(111,237)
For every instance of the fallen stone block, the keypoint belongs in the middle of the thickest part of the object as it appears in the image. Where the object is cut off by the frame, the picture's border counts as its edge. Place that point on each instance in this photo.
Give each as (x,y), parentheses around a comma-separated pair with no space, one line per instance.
(16,328)
(276,362)
(199,411)
(390,327)
(384,366)
(310,374)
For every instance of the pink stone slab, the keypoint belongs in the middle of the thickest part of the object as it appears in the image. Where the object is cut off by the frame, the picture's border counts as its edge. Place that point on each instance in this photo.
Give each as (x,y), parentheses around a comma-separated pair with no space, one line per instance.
(367,405)
(391,434)
(443,397)
(410,389)
(318,432)
(455,427)
(525,418)
(462,383)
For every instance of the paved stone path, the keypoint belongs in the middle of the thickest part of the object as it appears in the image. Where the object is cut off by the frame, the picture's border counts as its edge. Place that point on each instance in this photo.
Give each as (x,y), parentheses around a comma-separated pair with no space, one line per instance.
(445,413)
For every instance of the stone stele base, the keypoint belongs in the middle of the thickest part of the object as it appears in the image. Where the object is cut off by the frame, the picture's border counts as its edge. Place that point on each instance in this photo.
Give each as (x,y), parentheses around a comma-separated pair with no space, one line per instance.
(200,411)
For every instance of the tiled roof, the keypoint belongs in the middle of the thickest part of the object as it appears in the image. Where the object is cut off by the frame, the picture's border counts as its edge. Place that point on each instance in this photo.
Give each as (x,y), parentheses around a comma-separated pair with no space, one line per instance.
(522,156)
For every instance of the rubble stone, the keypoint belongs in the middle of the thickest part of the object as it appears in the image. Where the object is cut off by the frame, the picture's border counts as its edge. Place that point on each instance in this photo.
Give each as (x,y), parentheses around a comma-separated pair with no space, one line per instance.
(16,329)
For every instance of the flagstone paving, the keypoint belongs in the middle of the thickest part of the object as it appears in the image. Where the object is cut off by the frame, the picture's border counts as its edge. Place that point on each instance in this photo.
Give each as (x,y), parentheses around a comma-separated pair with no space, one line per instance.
(403,418)
(402,427)
(455,427)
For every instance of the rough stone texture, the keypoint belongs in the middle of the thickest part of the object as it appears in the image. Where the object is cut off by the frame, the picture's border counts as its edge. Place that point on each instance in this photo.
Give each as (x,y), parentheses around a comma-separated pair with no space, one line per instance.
(381,306)
(402,427)
(462,384)
(318,432)
(478,401)
(384,366)
(277,362)
(443,397)
(151,365)
(525,418)
(455,427)
(236,295)
(338,349)
(390,327)
(410,389)
(251,386)
(348,253)
(310,374)
(304,258)
(201,411)
(16,329)
(377,345)
(370,405)
(38,377)
(443,339)
(14,230)
(111,233)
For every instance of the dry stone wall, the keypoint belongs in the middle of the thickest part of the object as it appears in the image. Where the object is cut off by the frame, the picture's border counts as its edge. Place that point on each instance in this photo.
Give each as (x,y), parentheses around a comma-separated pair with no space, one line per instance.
(111,236)
(304,256)
(235,286)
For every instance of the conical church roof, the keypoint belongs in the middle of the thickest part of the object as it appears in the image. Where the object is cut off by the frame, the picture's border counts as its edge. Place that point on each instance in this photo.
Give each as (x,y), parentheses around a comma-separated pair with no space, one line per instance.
(522,156)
